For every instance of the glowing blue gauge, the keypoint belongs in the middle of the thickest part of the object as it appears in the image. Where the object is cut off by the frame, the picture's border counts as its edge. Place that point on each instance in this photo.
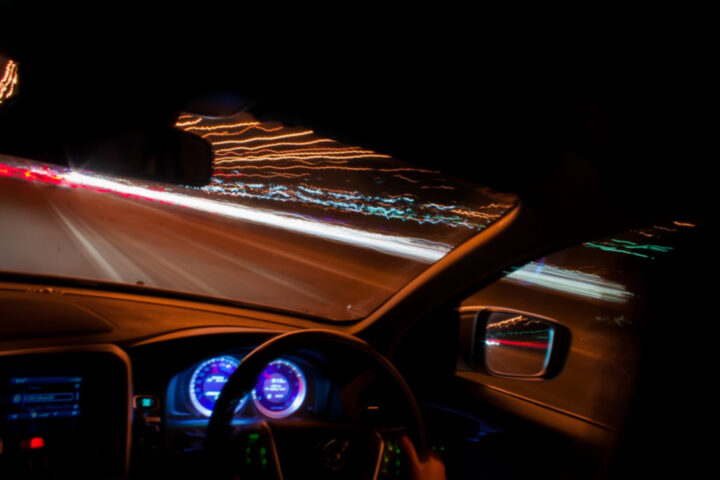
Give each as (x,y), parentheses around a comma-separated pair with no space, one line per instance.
(280,389)
(207,382)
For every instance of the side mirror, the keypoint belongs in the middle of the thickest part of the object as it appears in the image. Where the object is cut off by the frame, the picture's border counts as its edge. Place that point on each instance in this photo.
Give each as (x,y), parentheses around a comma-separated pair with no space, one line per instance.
(514,344)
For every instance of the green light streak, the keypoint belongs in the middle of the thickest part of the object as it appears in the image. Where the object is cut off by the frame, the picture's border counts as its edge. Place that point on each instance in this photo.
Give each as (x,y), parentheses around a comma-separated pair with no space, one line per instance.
(627,247)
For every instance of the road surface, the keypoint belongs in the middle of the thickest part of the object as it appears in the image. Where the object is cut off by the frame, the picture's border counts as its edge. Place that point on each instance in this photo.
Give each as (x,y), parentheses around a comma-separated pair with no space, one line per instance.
(53,229)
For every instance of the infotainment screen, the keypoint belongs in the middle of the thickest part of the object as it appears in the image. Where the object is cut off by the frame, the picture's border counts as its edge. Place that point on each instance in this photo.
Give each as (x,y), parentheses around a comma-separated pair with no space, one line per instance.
(37,398)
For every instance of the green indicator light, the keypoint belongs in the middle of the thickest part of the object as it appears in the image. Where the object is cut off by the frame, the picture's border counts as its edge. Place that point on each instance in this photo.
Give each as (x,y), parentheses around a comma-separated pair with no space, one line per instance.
(386,459)
(264,462)
(442,449)
(146,402)
(263,451)
(254,436)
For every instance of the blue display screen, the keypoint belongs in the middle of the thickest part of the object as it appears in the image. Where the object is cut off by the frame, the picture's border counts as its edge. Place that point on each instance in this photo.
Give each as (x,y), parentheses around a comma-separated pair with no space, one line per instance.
(207,382)
(36,398)
(279,389)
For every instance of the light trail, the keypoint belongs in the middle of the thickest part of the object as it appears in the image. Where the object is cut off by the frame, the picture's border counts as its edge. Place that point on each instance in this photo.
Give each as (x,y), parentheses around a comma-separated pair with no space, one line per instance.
(324,167)
(516,343)
(300,156)
(626,247)
(573,282)
(276,144)
(205,128)
(294,156)
(406,247)
(259,139)
(684,224)
(188,123)
(9,81)
(244,130)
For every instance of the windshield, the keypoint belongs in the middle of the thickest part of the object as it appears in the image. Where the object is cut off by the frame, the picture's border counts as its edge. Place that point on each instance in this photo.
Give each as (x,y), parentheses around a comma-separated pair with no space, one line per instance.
(289,220)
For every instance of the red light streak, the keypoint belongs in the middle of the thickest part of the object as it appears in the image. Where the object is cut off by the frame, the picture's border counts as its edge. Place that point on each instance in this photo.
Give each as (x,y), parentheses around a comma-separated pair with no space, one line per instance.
(47,175)
(516,343)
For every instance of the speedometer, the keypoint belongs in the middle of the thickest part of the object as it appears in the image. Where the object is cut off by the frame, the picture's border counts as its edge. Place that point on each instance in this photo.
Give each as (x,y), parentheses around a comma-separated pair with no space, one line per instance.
(280,389)
(207,382)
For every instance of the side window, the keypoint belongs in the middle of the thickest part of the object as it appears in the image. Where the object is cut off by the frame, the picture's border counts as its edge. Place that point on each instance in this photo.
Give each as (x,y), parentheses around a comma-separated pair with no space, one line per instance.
(596,291)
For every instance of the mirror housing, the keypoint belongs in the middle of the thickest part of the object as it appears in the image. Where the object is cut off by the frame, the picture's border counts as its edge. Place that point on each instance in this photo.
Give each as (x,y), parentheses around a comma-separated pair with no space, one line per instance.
(508,343)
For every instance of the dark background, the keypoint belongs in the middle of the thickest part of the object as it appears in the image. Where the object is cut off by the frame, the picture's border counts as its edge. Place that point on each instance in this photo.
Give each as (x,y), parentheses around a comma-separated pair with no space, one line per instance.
(590,113)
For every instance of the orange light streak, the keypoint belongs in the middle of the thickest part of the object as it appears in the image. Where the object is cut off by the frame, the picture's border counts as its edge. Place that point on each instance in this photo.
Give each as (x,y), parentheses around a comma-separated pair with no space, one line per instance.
(302,161)
(229,134)
(259,139)
(8,81)
(277,144)
(406,179)
(181,124)
(300,156)
(224,125)
(470,213)
(684,224)
(325,167)
(260,175)
(313,150)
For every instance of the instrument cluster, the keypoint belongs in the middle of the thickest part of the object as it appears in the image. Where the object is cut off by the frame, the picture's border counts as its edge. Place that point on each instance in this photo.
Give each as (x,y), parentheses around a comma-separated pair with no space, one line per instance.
(285,387)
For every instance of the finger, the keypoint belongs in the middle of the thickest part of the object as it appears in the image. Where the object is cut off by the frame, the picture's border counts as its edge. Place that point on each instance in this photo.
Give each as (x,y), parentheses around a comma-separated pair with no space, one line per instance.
(409,450)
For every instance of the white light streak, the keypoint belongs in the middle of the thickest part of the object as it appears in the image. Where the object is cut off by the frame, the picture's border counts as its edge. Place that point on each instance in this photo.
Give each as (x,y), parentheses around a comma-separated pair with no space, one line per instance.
(407,247)
(573,282)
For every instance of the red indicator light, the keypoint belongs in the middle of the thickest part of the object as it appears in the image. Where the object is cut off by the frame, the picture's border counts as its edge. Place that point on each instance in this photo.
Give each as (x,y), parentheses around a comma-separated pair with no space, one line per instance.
(32,443)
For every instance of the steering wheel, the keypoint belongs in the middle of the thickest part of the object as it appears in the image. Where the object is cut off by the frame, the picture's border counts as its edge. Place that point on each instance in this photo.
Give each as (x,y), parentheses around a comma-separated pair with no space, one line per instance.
(305,449)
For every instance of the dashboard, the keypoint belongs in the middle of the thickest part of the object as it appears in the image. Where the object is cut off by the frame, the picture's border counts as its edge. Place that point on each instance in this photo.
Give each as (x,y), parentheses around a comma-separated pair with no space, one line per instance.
(86,410)
(306,396)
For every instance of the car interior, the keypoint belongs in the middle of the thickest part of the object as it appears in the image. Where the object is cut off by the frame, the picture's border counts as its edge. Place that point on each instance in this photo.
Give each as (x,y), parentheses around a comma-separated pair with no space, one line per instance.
(564,335)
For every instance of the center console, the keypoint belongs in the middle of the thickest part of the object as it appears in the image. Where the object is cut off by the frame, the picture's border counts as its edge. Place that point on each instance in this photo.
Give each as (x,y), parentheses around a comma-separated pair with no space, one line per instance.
(64,413)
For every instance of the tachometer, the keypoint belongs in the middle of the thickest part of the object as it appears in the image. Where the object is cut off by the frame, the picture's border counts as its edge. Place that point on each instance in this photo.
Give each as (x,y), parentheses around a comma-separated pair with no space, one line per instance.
(280,389)
(207,382)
